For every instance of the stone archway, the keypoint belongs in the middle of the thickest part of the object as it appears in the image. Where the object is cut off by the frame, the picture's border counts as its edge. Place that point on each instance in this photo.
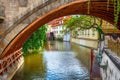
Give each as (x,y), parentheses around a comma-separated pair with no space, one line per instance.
(98,8)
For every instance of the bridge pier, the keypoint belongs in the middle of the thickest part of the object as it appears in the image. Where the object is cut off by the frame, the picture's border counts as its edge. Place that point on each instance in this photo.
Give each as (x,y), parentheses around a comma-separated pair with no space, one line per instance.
(7,68)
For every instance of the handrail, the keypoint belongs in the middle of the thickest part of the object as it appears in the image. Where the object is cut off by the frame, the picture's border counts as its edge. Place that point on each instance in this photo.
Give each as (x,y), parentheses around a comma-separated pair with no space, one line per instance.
(9,57)
(114,58)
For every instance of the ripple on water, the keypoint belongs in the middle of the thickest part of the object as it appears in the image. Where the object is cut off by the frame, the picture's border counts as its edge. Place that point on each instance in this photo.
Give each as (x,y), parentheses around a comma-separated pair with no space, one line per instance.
(64,66)
(56,65)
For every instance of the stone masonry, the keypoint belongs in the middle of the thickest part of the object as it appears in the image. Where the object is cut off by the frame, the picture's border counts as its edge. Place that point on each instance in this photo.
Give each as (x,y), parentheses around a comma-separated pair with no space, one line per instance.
(20,13)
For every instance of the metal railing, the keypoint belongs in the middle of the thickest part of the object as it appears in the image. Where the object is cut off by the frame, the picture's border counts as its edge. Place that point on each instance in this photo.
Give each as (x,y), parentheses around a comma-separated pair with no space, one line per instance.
(6,62)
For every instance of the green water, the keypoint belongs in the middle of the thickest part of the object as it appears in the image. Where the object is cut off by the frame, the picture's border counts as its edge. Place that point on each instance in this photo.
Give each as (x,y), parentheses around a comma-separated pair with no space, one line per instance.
(32,68)
(59,61)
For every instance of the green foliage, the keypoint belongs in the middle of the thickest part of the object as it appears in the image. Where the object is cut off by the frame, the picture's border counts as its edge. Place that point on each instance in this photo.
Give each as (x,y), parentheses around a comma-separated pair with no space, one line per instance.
(99,29)
(82,21)
(116,11)
(89,1)
(36,40)
(116,4)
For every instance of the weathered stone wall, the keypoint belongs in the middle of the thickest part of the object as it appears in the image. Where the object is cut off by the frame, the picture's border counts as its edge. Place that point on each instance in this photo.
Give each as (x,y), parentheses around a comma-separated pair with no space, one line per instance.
(18,16)
(14,9)
(23,3)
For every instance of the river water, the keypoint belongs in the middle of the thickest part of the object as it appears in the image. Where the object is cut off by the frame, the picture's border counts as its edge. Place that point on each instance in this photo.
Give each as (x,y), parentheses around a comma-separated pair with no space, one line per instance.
(59,61)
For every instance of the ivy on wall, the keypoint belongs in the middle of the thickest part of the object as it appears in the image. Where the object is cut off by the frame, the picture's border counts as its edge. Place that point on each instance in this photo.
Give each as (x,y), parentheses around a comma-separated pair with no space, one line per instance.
(116,11)
(36,40)
(116,5)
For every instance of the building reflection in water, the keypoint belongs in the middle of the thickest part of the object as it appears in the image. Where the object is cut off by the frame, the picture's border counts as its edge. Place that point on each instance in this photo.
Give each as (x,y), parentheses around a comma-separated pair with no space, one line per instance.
(59,61)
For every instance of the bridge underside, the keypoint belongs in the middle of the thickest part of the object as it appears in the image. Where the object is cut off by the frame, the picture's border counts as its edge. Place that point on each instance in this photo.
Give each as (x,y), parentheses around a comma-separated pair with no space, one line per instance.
(98,8)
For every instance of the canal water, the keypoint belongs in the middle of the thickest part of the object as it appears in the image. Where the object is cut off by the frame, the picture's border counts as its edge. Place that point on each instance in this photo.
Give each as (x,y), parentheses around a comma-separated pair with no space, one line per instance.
(59,61)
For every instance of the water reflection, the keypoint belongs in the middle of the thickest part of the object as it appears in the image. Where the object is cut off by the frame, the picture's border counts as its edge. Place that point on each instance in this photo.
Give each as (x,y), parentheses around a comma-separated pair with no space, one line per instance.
(32,69)
(58,46)
(64,66)
(59,61)
(82,54)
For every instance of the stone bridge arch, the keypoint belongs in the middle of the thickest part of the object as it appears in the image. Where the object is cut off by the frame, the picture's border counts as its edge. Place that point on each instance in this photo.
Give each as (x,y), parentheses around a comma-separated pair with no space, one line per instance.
(98,8)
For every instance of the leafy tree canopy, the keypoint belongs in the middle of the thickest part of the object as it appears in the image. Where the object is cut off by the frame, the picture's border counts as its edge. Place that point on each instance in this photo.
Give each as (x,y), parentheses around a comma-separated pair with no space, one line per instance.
(82,21)
(36,40)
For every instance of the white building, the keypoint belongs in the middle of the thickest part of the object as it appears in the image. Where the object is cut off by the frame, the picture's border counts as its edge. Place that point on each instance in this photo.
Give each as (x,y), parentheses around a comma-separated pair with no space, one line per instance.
(58,31)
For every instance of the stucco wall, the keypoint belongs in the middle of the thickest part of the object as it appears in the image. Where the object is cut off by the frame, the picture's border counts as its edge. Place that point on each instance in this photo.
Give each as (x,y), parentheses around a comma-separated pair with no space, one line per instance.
(87,43)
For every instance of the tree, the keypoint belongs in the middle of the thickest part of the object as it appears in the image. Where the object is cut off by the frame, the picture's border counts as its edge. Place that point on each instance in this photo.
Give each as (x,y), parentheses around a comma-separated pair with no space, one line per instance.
(36,40)
(82,22)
